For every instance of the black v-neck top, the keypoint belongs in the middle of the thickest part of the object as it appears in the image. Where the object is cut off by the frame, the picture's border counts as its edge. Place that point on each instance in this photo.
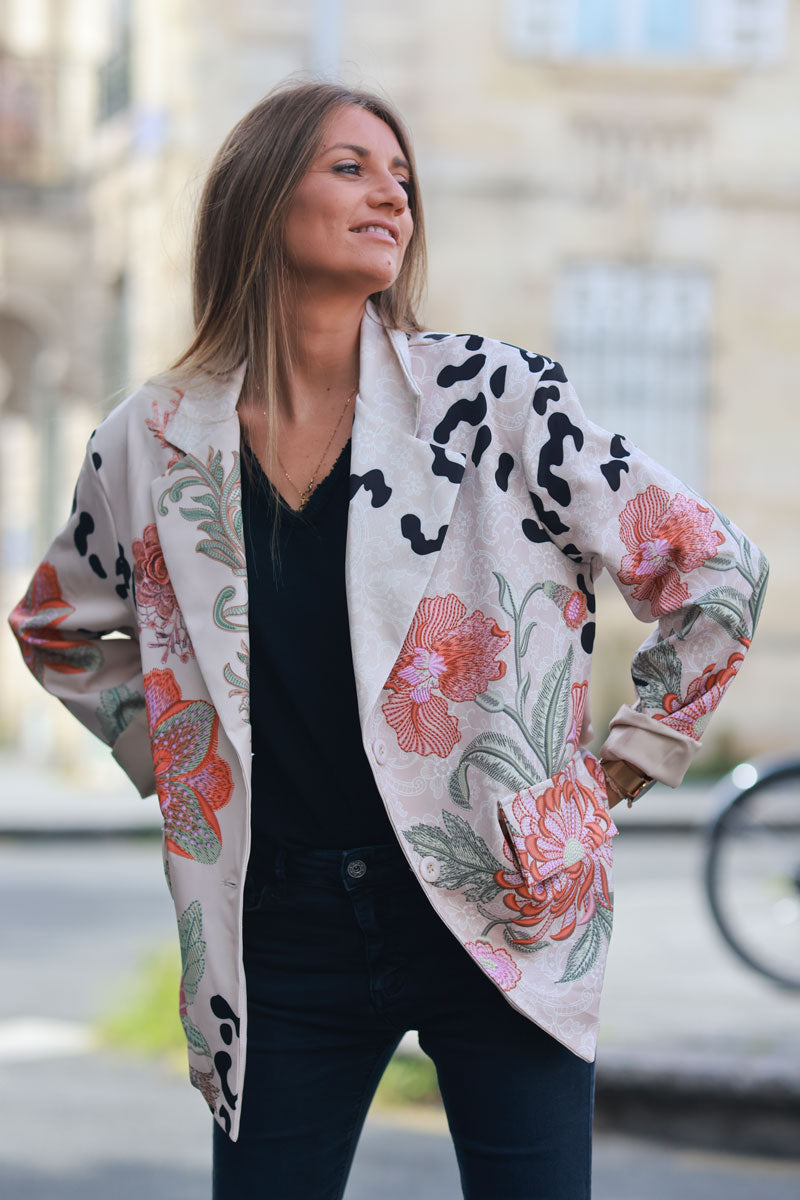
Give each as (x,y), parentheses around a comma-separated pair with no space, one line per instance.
(312,782)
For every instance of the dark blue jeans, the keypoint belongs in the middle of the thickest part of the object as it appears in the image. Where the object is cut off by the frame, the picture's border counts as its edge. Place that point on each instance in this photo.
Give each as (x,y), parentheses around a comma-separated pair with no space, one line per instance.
(343,955)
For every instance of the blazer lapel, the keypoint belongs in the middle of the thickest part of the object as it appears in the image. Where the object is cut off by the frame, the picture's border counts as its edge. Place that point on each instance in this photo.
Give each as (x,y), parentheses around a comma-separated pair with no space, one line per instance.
(198,511)
(402,495)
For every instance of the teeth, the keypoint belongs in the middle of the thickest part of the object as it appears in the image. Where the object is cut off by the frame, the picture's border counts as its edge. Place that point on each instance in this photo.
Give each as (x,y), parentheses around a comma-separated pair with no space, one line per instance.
(375,229)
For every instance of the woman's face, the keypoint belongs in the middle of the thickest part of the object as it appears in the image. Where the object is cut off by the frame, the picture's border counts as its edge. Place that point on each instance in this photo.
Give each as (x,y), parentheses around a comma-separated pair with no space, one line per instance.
(349,223)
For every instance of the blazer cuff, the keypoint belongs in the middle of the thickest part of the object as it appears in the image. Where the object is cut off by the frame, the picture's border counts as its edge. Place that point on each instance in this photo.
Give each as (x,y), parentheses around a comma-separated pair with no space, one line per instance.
(133,753)
(661,752)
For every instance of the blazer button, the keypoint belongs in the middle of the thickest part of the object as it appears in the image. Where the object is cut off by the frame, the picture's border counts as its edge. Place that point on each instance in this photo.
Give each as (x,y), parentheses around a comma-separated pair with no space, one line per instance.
(430,869)
(380,751)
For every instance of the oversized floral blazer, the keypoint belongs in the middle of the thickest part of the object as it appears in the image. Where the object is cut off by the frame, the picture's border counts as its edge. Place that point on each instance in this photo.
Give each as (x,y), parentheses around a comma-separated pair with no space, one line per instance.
(483,506)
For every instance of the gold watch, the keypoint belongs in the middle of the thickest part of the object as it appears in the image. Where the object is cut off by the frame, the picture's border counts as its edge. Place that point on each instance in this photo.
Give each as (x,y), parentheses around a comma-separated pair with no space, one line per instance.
(628,781)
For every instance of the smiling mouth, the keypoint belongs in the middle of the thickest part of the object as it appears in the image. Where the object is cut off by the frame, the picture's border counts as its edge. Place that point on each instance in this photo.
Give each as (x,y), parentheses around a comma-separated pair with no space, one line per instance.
(381,230)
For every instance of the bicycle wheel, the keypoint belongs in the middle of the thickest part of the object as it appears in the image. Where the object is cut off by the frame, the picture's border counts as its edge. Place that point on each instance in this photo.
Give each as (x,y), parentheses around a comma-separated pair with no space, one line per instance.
(752,869)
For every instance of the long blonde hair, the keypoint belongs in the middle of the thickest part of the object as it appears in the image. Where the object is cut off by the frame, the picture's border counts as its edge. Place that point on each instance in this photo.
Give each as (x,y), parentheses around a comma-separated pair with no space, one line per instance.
(240,271)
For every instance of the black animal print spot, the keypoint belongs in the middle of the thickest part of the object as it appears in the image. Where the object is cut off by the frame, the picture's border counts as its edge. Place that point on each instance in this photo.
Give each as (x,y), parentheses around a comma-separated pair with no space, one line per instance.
(97,567)
(225,1117)
(473,342)
(436,337)
(122,567)
(505,465)
(534,532)
(548,518)
(555,371)
(223,1062)
(542,397)
(552,455)
(587,636)
(223,1011)
(613,469)
(471,411)
(498,382)
(96,460)
(84,527)
(374,483)
(444,466)
(482,440)
(591,603)
(411,529)
(535,361)
(460,372)
(572,551)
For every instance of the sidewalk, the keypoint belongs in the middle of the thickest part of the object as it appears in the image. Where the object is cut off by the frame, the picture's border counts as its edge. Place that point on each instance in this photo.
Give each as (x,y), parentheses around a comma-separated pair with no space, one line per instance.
(694,1047)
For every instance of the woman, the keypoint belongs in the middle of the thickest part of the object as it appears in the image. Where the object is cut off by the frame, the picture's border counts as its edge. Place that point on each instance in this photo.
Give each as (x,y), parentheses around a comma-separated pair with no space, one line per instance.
(411,836)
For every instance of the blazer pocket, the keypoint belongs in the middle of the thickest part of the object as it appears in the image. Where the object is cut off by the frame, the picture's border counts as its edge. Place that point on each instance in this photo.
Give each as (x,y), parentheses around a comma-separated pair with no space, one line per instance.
(558,837)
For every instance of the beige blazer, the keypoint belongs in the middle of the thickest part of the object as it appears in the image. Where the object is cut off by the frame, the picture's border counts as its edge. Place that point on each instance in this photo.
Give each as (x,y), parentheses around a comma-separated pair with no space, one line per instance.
(484,505)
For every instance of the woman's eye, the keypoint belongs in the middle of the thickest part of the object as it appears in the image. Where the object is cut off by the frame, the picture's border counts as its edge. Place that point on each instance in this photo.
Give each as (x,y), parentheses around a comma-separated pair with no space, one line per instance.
(405,184)
(348,168)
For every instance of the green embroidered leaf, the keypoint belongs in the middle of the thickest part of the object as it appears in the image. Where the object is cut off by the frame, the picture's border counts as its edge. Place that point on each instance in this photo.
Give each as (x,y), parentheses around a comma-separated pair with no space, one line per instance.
(118,707)
(194,1037)
(522,692)
(499,757)
(506,598)
(491,702)
(721,562)
(526,637)
(521,947)
(656,673)
(196,514)
(757,597)
(727,607)
(465,859)
(193,948)
(583,956)
(551,713)
(605,918)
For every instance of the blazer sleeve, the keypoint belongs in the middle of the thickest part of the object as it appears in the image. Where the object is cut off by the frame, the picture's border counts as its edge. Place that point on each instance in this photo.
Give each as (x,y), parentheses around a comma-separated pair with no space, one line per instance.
(676,559)
(76,628)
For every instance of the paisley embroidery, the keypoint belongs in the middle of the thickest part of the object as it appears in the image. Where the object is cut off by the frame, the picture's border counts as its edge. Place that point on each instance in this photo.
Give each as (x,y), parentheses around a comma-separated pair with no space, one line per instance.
(35,622)
(155,599)
(192,780)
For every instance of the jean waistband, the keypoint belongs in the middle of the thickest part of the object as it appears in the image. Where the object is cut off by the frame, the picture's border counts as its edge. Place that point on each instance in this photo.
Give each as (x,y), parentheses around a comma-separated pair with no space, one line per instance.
(358,866)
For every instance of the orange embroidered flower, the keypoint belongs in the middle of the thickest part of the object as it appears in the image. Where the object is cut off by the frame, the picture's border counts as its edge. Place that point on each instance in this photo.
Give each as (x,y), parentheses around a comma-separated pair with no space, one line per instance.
(664,536)
(192,780)
(690,715)
(35,622)
(445,656)
(564,858)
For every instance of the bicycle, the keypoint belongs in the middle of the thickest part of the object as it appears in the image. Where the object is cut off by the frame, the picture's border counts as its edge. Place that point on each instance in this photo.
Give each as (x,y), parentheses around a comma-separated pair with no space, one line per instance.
(752,867)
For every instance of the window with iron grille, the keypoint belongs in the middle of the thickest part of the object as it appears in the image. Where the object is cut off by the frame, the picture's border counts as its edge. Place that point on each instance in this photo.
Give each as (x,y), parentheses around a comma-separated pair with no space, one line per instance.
(727,31)
(635,342)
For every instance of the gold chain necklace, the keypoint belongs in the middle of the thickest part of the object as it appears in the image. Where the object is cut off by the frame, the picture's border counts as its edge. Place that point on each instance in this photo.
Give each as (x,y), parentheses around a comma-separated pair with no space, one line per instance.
(305,493)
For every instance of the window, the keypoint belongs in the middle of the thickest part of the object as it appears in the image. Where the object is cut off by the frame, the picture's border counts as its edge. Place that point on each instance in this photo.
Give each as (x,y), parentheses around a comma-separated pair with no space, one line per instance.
(635,341)
(114,83)
(709,30)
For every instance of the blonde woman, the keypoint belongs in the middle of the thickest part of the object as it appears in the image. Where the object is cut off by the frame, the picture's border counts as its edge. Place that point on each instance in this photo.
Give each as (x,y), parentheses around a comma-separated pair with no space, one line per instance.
(354,564)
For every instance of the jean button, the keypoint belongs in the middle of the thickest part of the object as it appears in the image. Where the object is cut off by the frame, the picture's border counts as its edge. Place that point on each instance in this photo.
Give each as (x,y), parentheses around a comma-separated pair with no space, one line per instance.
(356,868)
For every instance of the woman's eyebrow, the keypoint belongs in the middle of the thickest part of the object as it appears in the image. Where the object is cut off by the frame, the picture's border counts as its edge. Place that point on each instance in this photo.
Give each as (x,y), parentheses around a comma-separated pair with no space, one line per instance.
(362,152)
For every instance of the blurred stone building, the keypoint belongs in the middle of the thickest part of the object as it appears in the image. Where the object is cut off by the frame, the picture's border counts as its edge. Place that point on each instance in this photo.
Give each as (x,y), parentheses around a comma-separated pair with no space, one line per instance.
(613,182)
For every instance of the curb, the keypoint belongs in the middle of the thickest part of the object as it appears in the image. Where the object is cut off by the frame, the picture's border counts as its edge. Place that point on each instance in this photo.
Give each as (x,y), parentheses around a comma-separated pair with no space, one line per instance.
(747,1105)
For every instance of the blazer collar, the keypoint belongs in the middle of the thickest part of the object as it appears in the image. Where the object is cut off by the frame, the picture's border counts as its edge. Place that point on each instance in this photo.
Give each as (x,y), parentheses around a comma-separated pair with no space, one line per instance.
(401,502)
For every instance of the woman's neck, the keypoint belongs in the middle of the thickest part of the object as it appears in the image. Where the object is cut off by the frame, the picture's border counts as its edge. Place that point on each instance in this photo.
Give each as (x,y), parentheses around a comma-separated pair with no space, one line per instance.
(324,347)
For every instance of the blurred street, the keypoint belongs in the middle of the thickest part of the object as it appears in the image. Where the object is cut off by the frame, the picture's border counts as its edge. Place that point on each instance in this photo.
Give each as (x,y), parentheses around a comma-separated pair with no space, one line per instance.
(80,913)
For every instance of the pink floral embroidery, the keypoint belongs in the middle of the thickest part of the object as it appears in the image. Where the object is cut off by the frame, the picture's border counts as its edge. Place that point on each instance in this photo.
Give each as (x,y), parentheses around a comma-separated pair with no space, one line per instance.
(157,424)
(564,858)
(446,656)
(664,537)
(192,780)
(35,622)
(578,693)
(573,604)
(497,963)
(690,715)
(155,599)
